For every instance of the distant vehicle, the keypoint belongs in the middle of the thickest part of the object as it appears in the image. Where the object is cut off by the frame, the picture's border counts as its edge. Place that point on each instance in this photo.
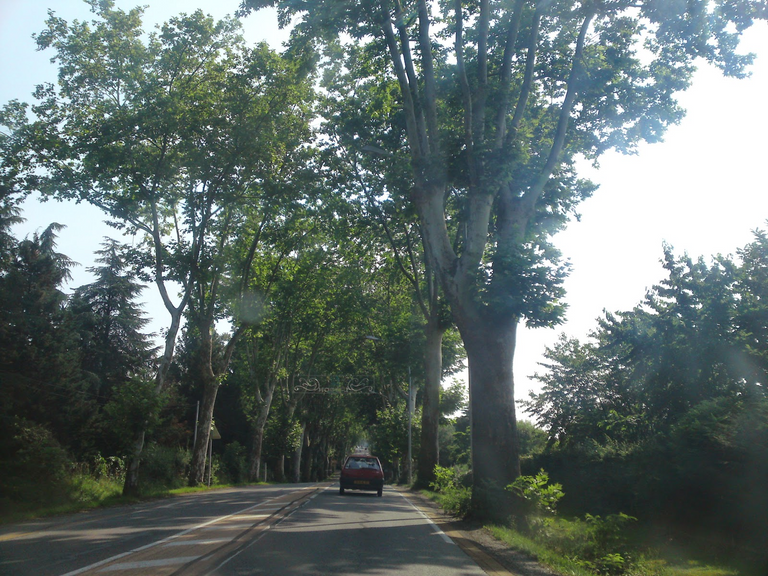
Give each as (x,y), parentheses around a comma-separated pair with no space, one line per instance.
(361,472)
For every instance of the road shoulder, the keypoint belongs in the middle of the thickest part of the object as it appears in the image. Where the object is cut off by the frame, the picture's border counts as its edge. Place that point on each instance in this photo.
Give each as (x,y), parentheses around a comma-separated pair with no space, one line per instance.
(492,555)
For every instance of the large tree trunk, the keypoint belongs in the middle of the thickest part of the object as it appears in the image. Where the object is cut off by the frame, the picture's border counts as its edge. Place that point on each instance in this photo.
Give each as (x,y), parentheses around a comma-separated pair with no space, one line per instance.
(210,381)
(131,484)
(280,469)
(205,424)
(296,458)
(495,450)
(488,339)
(210,389)
(258,436)
(429,451)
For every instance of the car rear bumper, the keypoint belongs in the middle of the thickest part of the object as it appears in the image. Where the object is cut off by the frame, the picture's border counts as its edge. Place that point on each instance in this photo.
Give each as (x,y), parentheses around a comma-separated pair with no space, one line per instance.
(361,484)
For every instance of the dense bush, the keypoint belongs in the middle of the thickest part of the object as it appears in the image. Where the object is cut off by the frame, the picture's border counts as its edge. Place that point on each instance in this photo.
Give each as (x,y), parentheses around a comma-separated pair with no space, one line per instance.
(164,466)
(455,497)
(703,482)
(33,464)
(234,463)
(536,490)
(598,544)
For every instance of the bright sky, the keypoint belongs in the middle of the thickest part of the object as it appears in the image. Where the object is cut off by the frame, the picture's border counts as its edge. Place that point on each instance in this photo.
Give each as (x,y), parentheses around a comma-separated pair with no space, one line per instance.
(703,190)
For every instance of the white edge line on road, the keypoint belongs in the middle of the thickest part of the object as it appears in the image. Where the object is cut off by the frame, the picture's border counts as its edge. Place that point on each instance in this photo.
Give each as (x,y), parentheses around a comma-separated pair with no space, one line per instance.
(163,541)
(435,527)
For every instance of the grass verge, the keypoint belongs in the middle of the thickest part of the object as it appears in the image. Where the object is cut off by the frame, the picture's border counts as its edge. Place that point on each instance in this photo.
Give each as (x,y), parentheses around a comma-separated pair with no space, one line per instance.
(648,564)
(563,547)
(84,492)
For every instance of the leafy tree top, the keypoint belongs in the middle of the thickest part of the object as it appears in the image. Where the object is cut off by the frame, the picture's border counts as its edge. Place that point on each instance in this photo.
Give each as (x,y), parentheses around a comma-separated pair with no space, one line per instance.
(493,102)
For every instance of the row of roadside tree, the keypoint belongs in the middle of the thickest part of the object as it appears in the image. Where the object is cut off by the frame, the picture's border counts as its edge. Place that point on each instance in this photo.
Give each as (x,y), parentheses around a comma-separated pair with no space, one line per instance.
(662,412)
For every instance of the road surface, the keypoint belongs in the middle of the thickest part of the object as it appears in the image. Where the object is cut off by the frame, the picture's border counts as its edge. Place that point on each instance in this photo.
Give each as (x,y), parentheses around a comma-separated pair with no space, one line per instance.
(282,530)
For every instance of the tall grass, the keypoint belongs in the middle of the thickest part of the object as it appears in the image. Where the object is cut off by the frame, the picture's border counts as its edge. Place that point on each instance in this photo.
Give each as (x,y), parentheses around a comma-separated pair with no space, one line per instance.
(568,563)
(592,546)
(78,491)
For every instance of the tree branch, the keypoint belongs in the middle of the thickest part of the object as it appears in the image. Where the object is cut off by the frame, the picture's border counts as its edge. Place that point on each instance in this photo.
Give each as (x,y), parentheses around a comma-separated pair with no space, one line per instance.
(465,93)
(481,93)
(530,66)
(506,72)
(558,141)
(408,103)
(430,91)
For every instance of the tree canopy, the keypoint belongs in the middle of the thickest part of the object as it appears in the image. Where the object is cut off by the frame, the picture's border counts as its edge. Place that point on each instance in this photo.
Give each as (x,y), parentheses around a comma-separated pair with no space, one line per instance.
(490,104)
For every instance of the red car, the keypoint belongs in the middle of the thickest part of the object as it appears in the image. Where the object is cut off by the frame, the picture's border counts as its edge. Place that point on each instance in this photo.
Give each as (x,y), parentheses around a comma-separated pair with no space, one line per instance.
(361,472)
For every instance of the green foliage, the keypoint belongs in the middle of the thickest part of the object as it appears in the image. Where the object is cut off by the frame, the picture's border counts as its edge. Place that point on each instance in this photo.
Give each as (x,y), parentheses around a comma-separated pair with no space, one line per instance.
(282,437)
(34,463)
(539,549)
(663,414)
(532,439)
(453,400)
(39,352)
(134,406)
(454,495)
(598,545)
(557,550)
(751,307)
(110,468)
(164,467)
(484,114)
(234,462)
(109,320)
(455,451)
(536,490)
(191,141)
(389,435)
(88,490)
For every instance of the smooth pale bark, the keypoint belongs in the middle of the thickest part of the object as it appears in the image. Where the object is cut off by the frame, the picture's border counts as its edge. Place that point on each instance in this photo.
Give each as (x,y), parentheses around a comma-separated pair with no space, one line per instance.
(280,469)
(305,455)
(210,381)
(429,450)
(205,422)
(296,458)
(131,484)
(258,435)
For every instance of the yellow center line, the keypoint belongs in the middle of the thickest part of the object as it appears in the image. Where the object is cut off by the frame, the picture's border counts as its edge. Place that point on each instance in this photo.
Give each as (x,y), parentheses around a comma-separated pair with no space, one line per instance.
(14,536)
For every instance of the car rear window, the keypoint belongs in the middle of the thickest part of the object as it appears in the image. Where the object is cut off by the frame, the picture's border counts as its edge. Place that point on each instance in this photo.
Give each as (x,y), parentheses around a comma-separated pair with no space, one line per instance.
(362,463)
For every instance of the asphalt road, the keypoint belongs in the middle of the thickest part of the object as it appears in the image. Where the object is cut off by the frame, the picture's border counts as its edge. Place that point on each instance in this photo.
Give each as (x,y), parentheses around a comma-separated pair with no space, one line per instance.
(298,529)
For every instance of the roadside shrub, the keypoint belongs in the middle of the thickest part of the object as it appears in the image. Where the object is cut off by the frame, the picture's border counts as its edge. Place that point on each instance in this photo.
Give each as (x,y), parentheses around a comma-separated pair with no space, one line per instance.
(109,468)
(597,544)
(34,464)
(163,466)
(235,463)
(455,498)
(541,497)
(88,490)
